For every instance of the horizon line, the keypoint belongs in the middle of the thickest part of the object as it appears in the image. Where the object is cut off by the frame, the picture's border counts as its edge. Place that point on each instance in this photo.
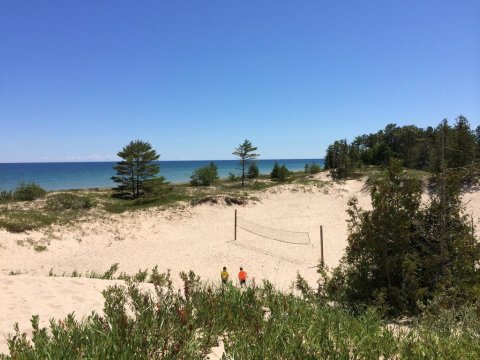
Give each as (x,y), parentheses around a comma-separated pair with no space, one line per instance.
(109,161)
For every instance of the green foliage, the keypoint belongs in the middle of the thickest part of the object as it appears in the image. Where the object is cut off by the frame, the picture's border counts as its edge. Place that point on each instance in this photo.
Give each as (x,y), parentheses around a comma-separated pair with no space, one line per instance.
(254,323)
(158,195)
(25,220)
(416,148)
(275,171)
(232,177)
(253,171)
(138,166)
(245,153)
(28,192)
(400,255)
(204,176)
(312,168)
(6,196)
(339,159)
(69,201)
(279,173)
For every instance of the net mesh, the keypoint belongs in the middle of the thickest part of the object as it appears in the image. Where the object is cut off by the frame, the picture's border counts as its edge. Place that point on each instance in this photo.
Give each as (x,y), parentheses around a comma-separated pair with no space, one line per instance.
(290,237)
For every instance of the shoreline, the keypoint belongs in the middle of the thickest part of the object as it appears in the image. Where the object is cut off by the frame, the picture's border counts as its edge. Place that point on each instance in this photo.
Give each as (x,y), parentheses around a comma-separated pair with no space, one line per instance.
(86,175)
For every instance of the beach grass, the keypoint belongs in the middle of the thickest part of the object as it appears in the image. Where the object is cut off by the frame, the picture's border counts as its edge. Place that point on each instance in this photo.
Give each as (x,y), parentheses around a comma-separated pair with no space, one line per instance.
(64,207)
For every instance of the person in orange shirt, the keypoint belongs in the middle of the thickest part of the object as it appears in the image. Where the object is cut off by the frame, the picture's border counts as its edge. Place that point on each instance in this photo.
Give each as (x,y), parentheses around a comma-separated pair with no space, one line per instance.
(242,277)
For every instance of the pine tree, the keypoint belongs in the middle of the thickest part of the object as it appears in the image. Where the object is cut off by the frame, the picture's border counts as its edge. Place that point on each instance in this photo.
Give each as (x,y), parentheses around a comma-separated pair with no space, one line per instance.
(137,166)
(245,153)
(253,171)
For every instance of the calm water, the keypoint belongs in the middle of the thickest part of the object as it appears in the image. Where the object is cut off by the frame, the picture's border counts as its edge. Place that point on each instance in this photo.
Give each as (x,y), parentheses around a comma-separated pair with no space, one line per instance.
(83,175)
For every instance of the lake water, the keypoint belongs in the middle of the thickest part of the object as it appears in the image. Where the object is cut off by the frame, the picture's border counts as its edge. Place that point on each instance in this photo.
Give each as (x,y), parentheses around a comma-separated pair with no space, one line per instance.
(84,175)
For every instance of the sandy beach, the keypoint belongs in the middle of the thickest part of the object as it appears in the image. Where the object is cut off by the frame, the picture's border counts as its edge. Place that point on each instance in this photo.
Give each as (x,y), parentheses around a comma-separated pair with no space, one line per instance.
(198,238)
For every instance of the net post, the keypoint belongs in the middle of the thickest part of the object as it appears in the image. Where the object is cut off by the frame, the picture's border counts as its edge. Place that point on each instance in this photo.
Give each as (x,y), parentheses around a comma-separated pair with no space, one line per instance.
(321,246)
(235,229)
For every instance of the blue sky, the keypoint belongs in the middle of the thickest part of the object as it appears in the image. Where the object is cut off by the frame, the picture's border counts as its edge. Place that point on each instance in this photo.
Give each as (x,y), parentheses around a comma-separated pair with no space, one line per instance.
(80,79)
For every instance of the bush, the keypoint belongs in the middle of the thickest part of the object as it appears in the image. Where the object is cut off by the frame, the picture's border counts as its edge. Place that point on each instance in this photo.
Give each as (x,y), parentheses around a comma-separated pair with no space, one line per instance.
(312,168)
(279,173)
(68,201)
(6,196)
(401,255)
(253,171)
(254,323)
(204,176)
(232,177)
(28,192)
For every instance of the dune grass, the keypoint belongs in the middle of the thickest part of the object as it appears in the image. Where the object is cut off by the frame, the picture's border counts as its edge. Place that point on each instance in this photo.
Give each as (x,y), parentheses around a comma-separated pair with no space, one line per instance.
(68,206)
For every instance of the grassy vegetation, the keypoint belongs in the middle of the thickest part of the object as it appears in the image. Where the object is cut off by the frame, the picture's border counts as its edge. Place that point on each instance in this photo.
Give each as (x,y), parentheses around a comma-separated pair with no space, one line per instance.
(18,221)
(67,206)
(254,323)
(69,201)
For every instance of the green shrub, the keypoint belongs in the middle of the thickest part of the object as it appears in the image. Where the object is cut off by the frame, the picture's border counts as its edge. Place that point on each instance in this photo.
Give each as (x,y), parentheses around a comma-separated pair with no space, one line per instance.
(21,221)
(204,176)
(253,171)
(6,196)
(279,173)
(68,201)
(254,323)
(312,168)
(28,192)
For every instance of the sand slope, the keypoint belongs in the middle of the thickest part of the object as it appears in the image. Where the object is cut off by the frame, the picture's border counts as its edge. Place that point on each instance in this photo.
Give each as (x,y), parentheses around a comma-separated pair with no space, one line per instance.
(185,238)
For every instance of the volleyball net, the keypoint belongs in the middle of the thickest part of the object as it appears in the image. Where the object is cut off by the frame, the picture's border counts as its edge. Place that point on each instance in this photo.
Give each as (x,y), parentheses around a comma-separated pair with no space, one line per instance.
(289,237)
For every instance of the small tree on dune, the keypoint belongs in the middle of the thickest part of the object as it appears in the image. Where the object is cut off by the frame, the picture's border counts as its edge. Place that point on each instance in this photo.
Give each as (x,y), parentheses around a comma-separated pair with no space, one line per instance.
(253,171)
(401,254)
(204,176)
(137,166)
(245,153)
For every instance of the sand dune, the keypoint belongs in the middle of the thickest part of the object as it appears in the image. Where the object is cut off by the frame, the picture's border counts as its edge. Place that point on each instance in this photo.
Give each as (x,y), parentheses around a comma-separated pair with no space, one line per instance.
(185,238)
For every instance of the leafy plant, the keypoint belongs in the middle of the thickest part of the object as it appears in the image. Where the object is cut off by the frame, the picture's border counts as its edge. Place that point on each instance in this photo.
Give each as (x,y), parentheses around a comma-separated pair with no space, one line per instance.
(204,176)
(254,323)
(401,255)
(69,201)
(28,192)
(280,173)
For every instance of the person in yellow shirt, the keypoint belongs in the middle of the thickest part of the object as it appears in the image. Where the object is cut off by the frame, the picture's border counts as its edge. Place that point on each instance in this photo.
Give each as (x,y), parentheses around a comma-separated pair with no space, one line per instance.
(224,276)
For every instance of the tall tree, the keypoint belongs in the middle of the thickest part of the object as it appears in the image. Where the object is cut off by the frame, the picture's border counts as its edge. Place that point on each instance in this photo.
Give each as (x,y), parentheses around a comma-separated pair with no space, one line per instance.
(137,166)
(245,153)
(401,254)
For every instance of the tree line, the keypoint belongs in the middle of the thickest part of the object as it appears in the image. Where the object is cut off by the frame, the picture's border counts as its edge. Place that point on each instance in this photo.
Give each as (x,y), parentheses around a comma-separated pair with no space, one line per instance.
(139,166)
(416,148)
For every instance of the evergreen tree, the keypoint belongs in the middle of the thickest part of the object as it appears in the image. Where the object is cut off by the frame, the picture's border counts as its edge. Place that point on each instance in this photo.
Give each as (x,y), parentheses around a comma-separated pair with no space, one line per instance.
(275,171)
(279,173)
(253,171)
(138,165)
(245,153)
(338,159)
(400,254)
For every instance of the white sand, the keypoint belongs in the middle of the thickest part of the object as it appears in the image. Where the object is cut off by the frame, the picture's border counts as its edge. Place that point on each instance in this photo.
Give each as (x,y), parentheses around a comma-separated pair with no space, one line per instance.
(188,238)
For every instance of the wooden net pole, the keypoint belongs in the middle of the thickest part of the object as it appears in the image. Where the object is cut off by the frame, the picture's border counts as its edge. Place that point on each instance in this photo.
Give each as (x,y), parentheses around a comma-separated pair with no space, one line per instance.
(321,246)
(235,230)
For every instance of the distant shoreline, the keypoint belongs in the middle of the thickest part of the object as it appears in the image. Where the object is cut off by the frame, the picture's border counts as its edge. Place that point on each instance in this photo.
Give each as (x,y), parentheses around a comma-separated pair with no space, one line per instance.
(59,176)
